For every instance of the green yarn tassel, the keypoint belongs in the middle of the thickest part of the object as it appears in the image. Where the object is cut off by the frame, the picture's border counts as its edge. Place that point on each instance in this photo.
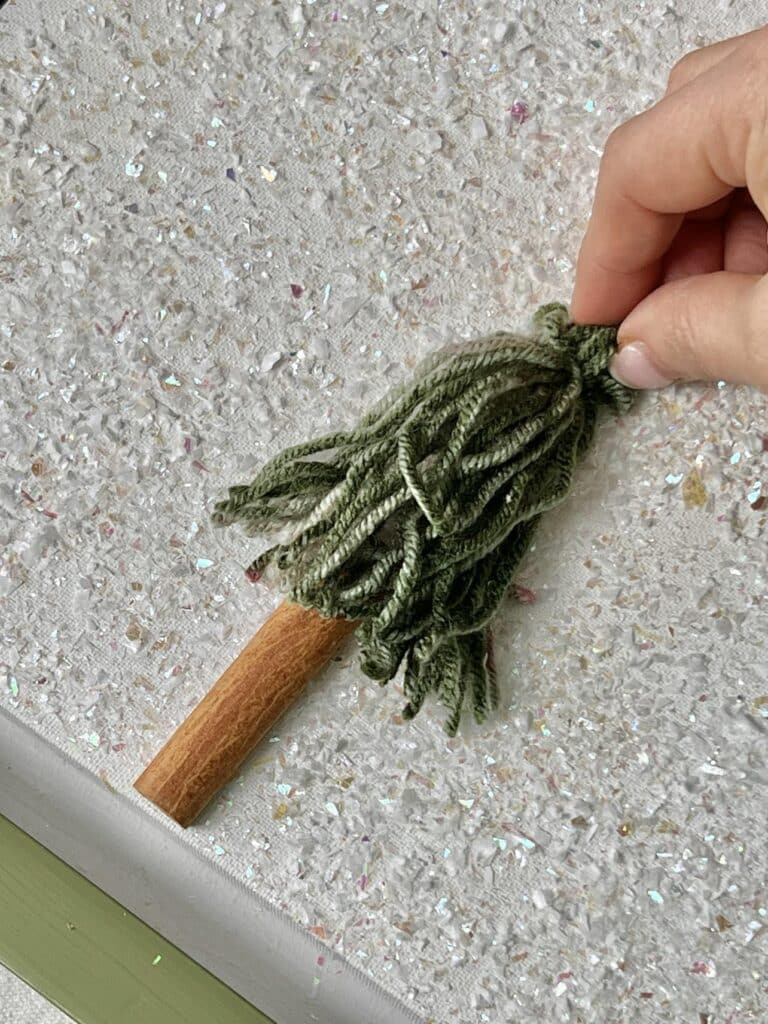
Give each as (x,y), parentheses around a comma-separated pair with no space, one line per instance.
(415,522)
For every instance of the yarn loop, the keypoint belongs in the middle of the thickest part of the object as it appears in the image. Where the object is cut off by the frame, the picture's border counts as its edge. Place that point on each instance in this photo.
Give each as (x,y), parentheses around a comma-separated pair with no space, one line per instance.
(415,522)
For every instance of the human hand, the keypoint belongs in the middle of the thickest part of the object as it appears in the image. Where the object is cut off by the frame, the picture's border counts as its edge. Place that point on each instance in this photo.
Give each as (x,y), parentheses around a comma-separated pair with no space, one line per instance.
(677,246)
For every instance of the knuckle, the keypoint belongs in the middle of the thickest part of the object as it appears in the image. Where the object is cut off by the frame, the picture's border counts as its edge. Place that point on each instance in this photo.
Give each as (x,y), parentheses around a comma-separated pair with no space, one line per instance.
(753,69)
(753,48)
(755,133)
(683,70)
(749,66)
(617,142)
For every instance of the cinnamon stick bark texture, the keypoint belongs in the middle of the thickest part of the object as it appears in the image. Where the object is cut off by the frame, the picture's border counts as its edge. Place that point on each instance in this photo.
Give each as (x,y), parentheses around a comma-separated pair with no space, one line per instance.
(207,749)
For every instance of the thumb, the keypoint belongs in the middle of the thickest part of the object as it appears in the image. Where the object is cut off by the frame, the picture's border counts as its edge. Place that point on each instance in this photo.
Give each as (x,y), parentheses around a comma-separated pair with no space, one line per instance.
(703,327)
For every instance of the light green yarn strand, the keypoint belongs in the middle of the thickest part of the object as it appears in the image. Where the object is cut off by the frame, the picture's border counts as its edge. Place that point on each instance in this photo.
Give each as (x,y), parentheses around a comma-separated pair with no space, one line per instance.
(415,522)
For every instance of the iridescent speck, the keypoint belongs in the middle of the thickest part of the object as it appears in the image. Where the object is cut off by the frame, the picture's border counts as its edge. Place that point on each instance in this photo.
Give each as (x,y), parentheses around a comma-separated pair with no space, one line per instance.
(518,112)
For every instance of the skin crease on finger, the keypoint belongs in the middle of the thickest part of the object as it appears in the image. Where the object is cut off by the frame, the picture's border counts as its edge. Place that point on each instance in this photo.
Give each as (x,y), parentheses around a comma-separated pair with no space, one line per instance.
(696,62)
(605,289)
(735,241)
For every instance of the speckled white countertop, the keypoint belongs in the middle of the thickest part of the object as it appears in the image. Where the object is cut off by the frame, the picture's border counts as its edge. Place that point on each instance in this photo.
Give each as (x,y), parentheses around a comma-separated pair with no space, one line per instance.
(226,227)
(20,1004)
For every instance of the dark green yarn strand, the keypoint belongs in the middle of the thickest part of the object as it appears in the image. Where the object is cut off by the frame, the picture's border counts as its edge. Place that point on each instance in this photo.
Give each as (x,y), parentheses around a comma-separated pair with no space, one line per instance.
(415,522)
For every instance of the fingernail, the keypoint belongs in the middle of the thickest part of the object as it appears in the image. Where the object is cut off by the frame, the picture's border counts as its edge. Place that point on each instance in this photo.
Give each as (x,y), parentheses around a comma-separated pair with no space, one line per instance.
(633,367)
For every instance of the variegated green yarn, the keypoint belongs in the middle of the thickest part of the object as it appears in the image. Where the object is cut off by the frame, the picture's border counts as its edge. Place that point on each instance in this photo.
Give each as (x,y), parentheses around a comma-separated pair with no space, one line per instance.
(414,523)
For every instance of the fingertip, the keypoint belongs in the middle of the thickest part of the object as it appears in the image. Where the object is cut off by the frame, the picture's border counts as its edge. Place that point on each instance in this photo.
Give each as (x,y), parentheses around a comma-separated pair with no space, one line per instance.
(694,328)
(601,296)
(634,367)
(583,310)
(587,301)
(594,302)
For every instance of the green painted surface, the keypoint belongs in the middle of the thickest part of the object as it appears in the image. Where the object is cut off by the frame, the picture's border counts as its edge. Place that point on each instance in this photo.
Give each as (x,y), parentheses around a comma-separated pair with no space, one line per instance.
(85,953)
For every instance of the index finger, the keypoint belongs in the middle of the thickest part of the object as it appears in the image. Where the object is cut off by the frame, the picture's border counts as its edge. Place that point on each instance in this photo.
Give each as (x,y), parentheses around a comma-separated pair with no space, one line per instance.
(683,154)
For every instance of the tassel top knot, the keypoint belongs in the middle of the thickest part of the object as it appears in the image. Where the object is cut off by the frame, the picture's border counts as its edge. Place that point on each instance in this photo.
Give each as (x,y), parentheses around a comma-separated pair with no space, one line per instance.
(587,347)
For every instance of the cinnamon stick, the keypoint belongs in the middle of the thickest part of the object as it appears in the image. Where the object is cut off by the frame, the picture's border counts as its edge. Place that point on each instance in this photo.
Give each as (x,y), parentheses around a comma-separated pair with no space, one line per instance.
(207,749)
